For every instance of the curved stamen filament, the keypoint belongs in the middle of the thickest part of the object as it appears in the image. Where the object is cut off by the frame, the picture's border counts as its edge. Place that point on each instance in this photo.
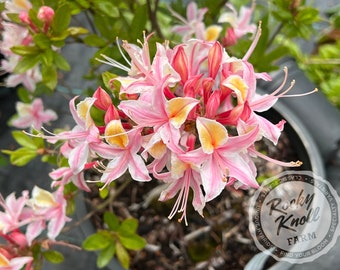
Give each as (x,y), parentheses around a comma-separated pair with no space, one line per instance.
(297,163)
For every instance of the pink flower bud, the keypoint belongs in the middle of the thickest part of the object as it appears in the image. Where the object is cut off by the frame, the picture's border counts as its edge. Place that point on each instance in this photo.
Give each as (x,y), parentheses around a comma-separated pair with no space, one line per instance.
(23,16)
(230,38)
(111,114)
(180,64)
(103,99)
(19,238)
(215,59)
(45,14)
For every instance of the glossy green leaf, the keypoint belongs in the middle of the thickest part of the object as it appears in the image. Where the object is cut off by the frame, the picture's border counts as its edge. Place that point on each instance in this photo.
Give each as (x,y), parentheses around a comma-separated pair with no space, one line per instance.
(24,95)
(62,18)
(53,256)
(104,193)
(26,63)
(83,3)
(111,220)
(122,255)
(106,255)
(75,31)
(50,77)
(24,139)
(133,241)
(94,41)
(25,50)
(128,227)
(21,156)
(61,62)
(106,7)
(42,41)
(107,77)
(96,241)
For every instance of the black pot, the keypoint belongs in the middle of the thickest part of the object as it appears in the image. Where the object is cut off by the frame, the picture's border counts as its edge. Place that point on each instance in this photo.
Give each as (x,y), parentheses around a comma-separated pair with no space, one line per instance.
(314,126)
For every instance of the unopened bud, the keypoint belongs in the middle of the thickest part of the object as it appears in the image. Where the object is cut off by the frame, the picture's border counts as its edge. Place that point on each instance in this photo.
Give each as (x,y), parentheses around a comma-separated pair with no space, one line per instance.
(45,14)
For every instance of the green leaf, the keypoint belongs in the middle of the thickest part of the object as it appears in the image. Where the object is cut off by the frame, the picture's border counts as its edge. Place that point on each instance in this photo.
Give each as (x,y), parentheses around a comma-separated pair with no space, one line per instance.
(96,241)
(53,256)
(107,77)
(83,3)
(133,242)
(42,41)
(107,8)
(75,31)
(49,75)
(104,193)
(111,220)
(102,24)
(94,41)
(25,50)
(61,20)
(24,139)
(47,57)
(128,227)
(24,95)
(61,62)
(21,156)
(122,255)
(139,21)
(26,63)
(106,255)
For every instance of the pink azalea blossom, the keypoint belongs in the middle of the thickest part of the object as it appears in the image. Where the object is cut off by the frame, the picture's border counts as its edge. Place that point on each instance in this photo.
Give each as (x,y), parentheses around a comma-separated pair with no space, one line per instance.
(83,141)
(193,25)
(17,6)
(47,207)
(32,115)
(14,263)
(240,23)
(123,154)
(13,207)
(65,175)
(183,176)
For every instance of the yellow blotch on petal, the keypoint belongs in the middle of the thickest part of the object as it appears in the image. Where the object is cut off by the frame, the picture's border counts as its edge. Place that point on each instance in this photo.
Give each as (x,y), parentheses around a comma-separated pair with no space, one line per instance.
(212,32)
(237,84)
(178,167)
(42,198)
(24,4)
(83,110)
(157,150)
(211,134)
(115,134)
(4,261)
(178,110)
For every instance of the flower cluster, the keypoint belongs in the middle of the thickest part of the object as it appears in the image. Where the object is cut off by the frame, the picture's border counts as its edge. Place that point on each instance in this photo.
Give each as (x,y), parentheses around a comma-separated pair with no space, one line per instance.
(187,116)
(23,219)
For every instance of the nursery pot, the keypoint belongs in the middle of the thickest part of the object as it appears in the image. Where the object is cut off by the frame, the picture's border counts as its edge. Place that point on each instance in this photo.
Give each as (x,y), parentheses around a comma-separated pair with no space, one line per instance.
(314,126)
(306,150)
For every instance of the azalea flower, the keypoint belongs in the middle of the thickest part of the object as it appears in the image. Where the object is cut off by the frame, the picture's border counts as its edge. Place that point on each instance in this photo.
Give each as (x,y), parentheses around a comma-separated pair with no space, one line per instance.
(17,6)
(193,25)
(65,175)
(240,23)
(46,207)
(14,263)
(32,115)
(11,217)
(123,154)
